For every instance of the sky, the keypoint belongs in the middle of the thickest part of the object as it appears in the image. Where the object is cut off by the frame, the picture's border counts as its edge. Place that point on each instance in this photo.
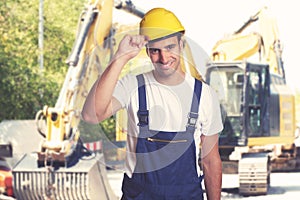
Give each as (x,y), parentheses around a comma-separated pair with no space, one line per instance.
(207,21)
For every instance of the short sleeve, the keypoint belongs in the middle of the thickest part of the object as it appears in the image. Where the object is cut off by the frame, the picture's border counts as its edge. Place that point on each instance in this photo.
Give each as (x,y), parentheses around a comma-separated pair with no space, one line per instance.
(124,89)
(210,113)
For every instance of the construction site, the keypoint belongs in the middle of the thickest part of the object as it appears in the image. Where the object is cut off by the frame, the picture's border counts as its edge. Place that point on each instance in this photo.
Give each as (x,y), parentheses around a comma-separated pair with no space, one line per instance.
(48,157)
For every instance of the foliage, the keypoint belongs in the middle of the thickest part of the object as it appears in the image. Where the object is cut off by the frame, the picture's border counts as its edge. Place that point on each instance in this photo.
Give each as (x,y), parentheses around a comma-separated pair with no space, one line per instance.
(102,131)
(24,88)
(109,128)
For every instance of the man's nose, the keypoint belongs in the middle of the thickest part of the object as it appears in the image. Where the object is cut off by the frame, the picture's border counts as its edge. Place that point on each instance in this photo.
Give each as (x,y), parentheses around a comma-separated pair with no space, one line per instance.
(164,56)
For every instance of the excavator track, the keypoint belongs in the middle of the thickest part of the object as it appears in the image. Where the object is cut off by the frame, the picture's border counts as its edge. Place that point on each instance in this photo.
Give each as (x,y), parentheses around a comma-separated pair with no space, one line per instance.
(254,174)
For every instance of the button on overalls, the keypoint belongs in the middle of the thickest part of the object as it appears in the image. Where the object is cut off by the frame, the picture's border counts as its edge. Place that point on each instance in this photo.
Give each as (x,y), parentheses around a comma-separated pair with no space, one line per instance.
(166,166)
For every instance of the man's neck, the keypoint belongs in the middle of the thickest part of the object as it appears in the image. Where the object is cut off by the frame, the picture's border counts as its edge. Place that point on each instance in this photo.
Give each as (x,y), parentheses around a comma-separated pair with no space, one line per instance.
(174,79)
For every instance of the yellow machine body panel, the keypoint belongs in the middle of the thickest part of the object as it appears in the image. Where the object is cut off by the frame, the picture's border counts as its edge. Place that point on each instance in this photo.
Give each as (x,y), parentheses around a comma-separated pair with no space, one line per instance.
(287,116)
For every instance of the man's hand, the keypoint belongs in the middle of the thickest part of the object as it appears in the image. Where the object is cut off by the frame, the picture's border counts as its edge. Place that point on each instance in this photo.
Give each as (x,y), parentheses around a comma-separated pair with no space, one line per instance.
(131,45)
(212,166)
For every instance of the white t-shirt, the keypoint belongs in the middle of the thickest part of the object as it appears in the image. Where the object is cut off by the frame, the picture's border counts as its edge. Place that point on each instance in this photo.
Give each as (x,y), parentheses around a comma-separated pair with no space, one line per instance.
(168,110)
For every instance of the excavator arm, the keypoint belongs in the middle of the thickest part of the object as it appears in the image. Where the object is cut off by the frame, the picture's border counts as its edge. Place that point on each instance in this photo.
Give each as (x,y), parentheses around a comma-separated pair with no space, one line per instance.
(91,52)
(62,168)
(92,43)
(257,36)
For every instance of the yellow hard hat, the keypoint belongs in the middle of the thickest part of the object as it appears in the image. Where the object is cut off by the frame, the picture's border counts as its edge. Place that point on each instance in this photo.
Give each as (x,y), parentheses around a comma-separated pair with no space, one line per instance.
(159,23)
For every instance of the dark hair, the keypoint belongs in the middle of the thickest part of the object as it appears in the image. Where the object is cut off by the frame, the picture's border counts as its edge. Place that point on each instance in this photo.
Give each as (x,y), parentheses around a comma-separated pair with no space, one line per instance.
(178,34)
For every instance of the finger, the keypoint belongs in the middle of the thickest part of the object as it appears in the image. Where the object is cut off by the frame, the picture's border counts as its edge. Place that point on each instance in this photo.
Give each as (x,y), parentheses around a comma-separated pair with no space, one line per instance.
(144,40)
(134,41)
(138,40)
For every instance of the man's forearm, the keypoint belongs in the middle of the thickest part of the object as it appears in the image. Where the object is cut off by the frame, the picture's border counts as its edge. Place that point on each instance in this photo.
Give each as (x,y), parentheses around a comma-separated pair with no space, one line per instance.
(212,166)
(213,180)
(98,106)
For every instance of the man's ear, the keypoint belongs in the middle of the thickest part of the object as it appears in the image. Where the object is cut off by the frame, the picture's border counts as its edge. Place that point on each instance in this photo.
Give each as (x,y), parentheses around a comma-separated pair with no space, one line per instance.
(181,43)
(147,51)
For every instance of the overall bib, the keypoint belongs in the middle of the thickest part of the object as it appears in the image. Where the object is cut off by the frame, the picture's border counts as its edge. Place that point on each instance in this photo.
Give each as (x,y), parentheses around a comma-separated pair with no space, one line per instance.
(166,166)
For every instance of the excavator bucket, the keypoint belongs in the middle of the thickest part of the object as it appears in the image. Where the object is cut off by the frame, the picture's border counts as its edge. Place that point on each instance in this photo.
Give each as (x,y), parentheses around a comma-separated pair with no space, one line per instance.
(87,181)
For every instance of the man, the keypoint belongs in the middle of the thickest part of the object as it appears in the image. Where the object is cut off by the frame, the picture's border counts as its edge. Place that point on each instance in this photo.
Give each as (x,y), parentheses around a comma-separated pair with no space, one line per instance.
(168,112)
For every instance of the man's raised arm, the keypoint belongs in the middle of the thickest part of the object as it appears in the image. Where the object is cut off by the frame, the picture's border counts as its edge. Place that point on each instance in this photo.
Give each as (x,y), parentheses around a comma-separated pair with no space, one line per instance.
(100,103)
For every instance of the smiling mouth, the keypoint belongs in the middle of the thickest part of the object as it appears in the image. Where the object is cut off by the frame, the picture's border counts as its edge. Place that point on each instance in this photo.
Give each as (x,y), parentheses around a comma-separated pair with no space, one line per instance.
(165,66)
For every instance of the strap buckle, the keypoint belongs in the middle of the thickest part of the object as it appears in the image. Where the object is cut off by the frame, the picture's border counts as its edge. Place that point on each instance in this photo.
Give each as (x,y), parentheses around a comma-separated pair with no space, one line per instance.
(143,116)
(192,119)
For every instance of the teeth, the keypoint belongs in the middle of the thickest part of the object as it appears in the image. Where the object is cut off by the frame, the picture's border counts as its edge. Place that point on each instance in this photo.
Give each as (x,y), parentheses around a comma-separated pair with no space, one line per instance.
(167,65)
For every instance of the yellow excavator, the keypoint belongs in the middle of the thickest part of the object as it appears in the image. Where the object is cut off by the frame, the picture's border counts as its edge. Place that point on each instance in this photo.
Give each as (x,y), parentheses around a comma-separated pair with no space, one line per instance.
(258,106)
(62,168)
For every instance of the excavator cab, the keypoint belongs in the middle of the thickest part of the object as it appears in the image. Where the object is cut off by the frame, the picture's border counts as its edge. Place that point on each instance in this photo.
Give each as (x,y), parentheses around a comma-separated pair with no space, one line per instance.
(244,91)
(255,108)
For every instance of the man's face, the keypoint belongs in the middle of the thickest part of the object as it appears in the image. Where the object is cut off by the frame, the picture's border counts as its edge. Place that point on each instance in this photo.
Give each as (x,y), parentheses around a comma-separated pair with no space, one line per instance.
(165,55)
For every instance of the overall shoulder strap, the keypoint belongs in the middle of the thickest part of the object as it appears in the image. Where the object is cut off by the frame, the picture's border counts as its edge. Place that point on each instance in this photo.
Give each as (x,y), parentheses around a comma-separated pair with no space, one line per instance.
(193,114)
(142,112)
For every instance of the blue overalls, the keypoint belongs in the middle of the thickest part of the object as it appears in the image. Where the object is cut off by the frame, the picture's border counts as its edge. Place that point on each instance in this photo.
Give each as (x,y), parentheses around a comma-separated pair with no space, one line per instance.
(166,166)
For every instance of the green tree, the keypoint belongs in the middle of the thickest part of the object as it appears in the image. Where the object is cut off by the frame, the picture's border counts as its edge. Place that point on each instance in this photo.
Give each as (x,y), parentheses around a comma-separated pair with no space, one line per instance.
(24,89)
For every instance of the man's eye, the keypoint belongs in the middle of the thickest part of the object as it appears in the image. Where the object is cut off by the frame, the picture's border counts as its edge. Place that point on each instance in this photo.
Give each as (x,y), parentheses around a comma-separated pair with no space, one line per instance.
(170,47)
(153,50)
